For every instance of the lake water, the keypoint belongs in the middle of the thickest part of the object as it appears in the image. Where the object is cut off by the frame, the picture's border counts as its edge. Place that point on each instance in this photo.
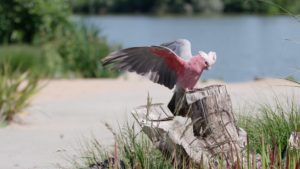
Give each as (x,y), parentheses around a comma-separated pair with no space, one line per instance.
(246,46)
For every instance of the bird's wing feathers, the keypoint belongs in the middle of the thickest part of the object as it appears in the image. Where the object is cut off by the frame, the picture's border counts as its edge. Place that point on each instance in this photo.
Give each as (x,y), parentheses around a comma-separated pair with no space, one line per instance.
(160,63)
(182,47)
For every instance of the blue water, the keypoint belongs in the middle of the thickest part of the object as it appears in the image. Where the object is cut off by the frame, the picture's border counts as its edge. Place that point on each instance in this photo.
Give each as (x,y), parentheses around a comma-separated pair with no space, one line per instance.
(246,46)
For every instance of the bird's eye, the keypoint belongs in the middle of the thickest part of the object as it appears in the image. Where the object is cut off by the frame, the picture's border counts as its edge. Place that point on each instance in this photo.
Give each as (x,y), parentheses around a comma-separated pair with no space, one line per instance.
(206,63)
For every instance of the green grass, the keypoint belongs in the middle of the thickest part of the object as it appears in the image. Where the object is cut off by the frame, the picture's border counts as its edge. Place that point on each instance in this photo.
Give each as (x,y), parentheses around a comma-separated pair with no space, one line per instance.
(269,131)
(138,152)
(273,123)
(74,52)
(294,80)
(135,150)
(16,88)
(25,58)
(267,135)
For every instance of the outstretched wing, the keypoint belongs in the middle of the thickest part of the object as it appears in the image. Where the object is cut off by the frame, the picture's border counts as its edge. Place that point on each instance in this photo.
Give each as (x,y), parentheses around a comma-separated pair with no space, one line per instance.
(161,64)
(182,47)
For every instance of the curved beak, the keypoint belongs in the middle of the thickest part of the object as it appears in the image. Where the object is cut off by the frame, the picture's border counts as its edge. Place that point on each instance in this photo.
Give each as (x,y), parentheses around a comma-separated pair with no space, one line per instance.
(207,66)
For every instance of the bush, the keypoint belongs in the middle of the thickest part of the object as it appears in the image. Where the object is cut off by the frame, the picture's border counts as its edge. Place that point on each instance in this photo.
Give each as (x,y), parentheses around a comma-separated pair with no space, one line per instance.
(16,89)
(81,51)
(73,52)
(26,58)
(58,47)
(23,20)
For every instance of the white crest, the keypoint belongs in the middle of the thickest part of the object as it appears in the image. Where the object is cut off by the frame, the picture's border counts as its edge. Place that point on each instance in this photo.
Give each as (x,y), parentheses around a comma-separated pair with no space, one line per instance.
(210,58)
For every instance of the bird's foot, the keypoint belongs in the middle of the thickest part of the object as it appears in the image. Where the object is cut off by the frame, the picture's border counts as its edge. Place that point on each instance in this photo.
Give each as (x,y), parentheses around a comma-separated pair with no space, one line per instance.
(188,90)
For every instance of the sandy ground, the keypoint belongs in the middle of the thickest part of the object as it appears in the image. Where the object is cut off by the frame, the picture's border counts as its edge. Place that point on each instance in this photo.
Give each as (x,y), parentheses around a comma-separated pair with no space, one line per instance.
(65,113)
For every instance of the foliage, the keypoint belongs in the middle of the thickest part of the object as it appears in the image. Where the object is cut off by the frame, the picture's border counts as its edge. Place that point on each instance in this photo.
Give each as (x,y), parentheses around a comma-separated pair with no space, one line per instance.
(185,6)
(138,152)
(81,51)
(267,135)
(273,124)
(26,58)
(146,6)
(293,79)
(272,156)
(135,150)
(239,6)
(16,88)
(55,46)
(22,20)
(77,54)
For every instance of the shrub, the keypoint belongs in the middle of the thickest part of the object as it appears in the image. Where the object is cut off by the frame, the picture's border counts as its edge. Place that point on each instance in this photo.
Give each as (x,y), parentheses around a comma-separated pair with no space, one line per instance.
(26,58)
(58,47)
(75,51)
(22,20)
(81,51)
(16,89)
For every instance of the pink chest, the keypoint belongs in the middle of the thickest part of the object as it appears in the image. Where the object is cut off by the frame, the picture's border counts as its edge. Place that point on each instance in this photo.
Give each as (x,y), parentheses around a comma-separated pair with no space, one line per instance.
(189,78)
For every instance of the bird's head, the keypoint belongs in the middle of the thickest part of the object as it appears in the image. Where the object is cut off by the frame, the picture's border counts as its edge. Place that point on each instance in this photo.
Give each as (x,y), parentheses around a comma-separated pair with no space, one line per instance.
(210,58)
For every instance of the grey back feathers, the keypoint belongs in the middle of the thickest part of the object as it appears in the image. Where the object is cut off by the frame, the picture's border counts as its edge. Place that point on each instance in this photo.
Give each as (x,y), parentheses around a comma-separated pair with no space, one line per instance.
(182,47)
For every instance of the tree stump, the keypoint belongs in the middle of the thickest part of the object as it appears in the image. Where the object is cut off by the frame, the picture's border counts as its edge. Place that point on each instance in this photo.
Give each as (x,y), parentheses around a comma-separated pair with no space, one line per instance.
(205,132)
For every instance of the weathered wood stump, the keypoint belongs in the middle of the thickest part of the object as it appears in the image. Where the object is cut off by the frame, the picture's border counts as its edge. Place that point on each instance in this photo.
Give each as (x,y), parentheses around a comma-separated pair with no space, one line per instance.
(204,133)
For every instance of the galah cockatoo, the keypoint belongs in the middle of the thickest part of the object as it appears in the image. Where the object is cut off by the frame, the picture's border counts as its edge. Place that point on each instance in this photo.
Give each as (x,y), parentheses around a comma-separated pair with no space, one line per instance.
(169,64)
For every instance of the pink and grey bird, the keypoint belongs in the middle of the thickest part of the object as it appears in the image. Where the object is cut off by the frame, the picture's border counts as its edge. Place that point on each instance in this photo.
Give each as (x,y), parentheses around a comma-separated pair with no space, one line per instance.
(169,64)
